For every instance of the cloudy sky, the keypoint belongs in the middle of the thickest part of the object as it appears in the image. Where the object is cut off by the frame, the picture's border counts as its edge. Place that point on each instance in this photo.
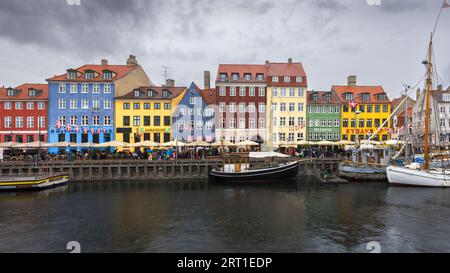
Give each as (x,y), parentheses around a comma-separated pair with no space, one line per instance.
(382,44)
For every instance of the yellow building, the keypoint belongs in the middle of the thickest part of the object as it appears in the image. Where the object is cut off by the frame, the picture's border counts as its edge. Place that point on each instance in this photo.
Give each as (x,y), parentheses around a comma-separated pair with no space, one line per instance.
(146,114)
(286,102)
(369,106)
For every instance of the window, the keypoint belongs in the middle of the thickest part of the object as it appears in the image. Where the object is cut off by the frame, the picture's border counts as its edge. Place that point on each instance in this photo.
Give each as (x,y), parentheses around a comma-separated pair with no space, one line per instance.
(126,105)
(8,122)
(377,108)
(361,123)
(167,106)
(61,104)
(291,121)
(7,105)
(252,92)
(89,75)
(251,107)
(62,88)
(167,121)
(385,108)
(136,105)
(107,104)
(209,112)
(369,123)
(19,122)
(30,105)
(291,92)
(146,105)
(192,100)
(19,105)
(157,106)
(107,121)
(62,120)
(84,88)
(377,122)
(241,123)
(73,88)
(107,75)
(107,88)
(261,123)
(136,120)
(73,120)
(95,104)
(11,92)
(283,107)
(274,79)
(365,97)
(252,123)
(287,79)
(259,77)
(348,96)
(283,92)
(96,120)
(262,92)
(166,94)
(222,91)
(298,79)
(126,120)
(345,122)
(291,106)
(362,108)
(369,108)
(282,121)
(84,121)
(248,76)
(232,123)
(137,93)
(242,91)
(73,104)
(151,93)
(156,121)
(96,88)
(300,106)
(274,92)
(222,106)
(41,121)
(232,107)
(261,108)
(234,76)
(381,97)
(146,120)
(84,104)
(232,91)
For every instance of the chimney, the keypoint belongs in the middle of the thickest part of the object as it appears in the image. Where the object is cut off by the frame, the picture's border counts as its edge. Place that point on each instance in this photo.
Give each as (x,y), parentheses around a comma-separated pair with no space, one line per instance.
(206,79)
(104,62)
(132,60)
(290,60)
(439,87)
(170,83)
(417,93)
(351,80)
(267,62)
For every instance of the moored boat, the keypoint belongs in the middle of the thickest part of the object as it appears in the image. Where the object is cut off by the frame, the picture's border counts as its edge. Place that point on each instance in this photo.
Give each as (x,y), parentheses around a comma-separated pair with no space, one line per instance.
(362,171)
(32,182)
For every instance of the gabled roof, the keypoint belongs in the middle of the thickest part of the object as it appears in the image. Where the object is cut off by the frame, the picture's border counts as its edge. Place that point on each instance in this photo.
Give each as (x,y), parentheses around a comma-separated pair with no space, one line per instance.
(438,94)
(209,96)
(286,69)
(22,93)
(321,95)
(242,69)
(358,90)
(174,92)
(119,71)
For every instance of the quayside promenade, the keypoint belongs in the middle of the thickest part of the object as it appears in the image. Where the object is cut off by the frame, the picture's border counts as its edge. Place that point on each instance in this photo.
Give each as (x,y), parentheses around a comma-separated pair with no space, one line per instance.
(116,170)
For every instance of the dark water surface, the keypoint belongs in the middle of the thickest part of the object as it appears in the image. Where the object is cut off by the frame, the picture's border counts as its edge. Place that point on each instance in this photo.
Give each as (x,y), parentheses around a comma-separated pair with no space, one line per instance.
(298,216)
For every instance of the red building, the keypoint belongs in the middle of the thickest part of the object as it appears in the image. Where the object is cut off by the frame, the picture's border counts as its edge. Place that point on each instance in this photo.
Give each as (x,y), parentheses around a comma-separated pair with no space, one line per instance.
(241,98)
(23,113)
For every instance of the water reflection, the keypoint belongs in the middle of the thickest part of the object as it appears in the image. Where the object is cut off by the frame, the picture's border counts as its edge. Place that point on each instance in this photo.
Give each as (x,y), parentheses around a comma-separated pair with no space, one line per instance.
(194,216)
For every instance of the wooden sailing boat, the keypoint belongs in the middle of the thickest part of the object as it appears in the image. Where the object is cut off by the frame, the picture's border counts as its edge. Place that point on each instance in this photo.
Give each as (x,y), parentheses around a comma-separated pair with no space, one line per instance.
(415,174)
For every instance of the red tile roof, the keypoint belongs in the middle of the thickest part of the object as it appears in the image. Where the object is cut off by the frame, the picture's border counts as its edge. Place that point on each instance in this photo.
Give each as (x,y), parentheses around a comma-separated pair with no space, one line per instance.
(334,98)
(286,69)
(242,69)
(119,71)
(358,90)
(208,95)
(22,92)
(175,91)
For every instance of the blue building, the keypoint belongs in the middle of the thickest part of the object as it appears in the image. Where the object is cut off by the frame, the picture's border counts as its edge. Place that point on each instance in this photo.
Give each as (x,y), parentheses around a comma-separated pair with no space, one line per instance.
(194,116)
(81,101)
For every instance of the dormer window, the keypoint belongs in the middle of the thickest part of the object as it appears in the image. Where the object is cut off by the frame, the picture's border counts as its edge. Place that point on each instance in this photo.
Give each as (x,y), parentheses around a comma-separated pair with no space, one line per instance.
(235,76)
(259,77)
(166,94)
(89,75)
(381,97)
(287,79)
(365,97)
(299,79)
(274,79)
(107,75)
(315,97)
(137,93)
(11,92)
(71,74)
(32,93)
(151,93)
(348,96)
(446,97)
(248,76)
(223,77)
(327,97)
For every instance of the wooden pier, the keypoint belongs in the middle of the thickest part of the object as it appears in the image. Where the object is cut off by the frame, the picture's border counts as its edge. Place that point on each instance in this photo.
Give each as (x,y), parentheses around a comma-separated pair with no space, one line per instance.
(116,170)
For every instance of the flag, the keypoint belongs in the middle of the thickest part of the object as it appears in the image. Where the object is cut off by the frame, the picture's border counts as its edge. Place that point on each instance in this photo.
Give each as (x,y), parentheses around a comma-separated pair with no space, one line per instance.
(353,104)
(446,4)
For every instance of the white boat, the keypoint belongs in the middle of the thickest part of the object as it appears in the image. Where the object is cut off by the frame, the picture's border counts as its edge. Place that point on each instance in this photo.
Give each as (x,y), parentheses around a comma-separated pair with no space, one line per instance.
(413,175)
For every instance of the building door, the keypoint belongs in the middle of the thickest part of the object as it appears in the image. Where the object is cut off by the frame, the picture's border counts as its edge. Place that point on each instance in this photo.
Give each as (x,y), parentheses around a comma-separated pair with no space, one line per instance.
(107,137)
(30,138)
(73,138)
(61,137)
(19,139)
(166,137)
(84,138)
(126,137)
(95,138)
(147,136)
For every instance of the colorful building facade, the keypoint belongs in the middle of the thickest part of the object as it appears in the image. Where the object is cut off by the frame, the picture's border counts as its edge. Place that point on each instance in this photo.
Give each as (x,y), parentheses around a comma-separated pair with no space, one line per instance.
(364,109)
(286,102)
(81,101)
(145,113)
(23,113)
(323,116)
(194,115)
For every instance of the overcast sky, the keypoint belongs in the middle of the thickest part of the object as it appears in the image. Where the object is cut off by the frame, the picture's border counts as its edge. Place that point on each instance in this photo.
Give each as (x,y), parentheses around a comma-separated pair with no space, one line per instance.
(383,45)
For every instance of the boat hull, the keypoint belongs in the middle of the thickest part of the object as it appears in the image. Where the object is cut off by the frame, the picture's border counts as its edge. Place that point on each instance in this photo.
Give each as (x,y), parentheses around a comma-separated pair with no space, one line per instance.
(275,174)
(401,176)
(33,183)
(360,172)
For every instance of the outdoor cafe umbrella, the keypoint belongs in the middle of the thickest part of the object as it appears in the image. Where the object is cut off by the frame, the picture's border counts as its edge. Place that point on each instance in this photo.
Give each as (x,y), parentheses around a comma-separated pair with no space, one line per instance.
(325,143)
(248,143)
(62,144)
(146,143)
(9,144)
(345,142)
(223,142)
(302,143)
(86,145)
(113,143)
(35,144)
(373,142)
(394,142)
(173,144)
(200,143)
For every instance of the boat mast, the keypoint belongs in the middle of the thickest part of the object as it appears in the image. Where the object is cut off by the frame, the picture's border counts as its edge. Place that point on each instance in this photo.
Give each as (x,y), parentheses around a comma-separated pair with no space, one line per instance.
(427,104)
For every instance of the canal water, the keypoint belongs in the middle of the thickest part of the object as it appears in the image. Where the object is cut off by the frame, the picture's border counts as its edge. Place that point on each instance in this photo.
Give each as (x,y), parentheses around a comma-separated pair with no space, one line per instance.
(294,216)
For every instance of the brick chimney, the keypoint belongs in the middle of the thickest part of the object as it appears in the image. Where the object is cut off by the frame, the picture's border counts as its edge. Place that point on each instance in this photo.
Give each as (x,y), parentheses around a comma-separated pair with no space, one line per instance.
(104,62)
(290,60)
(170,83)
(132,60)
(206,79)
(439,87)
(351,80)
(267,62)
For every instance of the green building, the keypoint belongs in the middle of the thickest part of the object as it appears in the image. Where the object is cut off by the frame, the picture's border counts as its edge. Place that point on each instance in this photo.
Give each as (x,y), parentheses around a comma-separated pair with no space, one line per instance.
(323,118)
